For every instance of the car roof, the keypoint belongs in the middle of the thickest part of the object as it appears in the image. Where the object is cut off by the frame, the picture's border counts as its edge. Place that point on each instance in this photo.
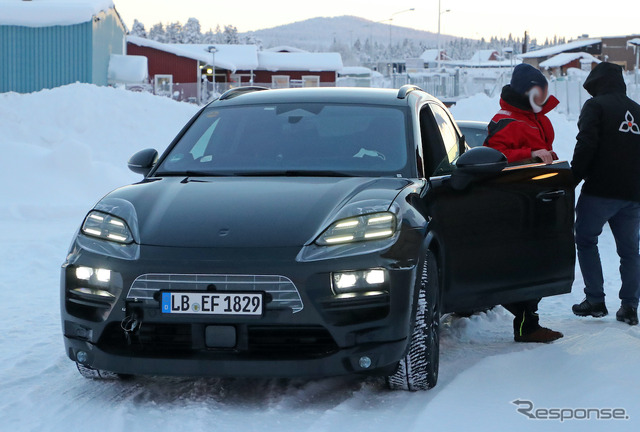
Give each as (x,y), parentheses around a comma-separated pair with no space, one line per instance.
(360,95)
(472,124)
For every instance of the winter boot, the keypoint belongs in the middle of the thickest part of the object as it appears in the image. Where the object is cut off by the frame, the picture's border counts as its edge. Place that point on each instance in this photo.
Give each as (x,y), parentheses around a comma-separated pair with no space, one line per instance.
(596,310)
(540,335)
(627,314)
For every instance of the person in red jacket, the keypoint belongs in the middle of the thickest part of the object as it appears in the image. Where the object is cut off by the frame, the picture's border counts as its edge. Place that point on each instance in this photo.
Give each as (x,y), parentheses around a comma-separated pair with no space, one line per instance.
(522,131)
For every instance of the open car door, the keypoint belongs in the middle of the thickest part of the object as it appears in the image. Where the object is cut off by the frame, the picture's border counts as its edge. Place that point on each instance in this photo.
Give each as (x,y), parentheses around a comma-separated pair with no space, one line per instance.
(508,237)
(506,232)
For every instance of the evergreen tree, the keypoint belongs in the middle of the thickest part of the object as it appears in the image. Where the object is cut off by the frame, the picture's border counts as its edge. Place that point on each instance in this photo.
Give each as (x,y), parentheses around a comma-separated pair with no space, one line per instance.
(230,36)
(173,33)
(138,29)
(209,37)
(219,36)
(157,33)
(191,32)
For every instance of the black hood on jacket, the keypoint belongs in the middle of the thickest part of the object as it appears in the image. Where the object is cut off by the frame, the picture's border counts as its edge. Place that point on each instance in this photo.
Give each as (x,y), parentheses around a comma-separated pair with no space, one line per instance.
(605,78)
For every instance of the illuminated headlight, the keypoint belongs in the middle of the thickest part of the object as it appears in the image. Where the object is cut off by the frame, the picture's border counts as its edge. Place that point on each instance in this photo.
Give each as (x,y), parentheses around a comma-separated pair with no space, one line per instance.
(363,280)
(367,227)
(107,227)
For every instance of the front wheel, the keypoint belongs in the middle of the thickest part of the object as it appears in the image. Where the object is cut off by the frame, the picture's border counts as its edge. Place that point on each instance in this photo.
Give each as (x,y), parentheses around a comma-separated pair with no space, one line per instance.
(418,369)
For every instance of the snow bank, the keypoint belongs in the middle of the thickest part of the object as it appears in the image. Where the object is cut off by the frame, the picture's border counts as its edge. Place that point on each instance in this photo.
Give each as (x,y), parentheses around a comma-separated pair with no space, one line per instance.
(69,145)
(45,13)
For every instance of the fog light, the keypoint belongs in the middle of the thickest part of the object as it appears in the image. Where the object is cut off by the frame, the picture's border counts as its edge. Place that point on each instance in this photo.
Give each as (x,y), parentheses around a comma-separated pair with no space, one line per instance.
(84,273)
(82,357)
(357,281)
(345,280)
(365,362)
(103,275)
(374,277)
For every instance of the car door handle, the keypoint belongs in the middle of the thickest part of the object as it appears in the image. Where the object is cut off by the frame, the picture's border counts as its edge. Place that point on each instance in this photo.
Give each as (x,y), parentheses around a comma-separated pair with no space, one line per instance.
(551,196)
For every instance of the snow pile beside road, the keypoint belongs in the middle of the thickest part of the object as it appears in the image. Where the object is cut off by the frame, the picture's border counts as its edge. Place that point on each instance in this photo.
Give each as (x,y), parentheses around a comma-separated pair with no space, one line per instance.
(70,145)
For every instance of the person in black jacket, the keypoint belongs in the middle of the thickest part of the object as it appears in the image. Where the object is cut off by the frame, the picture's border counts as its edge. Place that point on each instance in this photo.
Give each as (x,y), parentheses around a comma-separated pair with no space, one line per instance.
(607,157)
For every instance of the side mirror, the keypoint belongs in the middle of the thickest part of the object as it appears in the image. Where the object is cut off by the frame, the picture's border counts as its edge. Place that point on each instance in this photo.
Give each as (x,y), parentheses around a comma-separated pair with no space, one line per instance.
(143,161)
(475,163)
(481,160)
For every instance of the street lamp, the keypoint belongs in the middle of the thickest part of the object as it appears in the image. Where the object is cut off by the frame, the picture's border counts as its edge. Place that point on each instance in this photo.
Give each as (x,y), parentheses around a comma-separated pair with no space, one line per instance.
(440,12)
(391,21)
(213,51)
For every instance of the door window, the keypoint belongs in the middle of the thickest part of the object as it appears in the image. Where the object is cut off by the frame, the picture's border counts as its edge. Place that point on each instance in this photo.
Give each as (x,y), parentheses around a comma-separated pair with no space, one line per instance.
(450,140)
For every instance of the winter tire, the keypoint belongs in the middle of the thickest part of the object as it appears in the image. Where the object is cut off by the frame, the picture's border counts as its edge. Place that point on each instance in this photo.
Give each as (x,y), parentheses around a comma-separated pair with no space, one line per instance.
(418,370)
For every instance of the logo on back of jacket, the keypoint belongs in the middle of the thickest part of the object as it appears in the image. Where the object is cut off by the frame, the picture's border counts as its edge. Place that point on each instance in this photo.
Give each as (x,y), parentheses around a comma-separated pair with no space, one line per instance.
(629,125)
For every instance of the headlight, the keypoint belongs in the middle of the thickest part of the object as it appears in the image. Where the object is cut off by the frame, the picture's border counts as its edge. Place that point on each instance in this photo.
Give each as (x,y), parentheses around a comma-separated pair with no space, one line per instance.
(366,227)
(107,227)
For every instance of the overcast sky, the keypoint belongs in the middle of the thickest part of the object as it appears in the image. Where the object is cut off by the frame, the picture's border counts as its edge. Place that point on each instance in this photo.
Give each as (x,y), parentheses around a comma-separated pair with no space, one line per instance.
(467,18)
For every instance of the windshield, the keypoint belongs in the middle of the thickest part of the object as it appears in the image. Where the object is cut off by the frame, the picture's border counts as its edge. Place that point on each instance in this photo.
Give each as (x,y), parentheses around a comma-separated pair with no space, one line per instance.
(292,139)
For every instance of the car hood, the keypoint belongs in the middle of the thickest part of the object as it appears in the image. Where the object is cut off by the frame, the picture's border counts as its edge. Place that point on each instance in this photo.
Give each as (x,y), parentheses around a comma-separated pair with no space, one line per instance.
(249,211)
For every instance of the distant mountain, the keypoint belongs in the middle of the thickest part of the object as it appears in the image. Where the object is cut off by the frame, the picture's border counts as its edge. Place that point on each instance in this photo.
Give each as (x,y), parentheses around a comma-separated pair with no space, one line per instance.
(320,34)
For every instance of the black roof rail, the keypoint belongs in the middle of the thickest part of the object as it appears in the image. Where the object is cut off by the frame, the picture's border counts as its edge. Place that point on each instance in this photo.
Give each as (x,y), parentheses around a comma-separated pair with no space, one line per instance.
(406,89)
(237,91)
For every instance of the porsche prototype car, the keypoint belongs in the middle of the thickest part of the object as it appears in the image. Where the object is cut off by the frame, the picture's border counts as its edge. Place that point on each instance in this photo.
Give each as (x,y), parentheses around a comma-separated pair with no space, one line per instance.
(309,233)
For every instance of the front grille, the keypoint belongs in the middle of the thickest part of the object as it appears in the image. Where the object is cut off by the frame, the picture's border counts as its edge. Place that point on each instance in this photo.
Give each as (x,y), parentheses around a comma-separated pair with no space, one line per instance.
(283,292)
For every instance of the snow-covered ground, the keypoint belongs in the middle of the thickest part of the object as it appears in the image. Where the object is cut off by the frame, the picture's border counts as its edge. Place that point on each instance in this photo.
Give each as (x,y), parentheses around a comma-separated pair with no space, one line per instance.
(62,149)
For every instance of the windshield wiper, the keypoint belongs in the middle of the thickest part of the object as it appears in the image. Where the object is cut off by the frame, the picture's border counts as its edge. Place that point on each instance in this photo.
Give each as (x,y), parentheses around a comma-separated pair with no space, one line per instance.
(295,173)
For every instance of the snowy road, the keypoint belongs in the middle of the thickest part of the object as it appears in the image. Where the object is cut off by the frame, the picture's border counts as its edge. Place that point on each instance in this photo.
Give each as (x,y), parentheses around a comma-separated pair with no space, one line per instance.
(596,364)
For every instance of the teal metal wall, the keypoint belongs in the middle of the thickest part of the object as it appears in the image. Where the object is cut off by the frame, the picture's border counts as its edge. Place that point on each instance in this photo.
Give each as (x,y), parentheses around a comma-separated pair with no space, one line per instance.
(33,58)
(108,38)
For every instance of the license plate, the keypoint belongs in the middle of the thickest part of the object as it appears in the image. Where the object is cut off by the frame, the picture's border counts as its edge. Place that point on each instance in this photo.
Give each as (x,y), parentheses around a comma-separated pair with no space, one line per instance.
(212,303)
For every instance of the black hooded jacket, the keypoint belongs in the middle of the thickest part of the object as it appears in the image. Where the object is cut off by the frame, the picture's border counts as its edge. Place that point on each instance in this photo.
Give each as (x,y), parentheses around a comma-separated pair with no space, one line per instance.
(607,153)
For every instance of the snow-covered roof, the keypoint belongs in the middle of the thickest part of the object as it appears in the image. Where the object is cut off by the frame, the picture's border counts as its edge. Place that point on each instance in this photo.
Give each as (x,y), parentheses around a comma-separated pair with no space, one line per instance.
(557,49)
(230,57)
(285,48)
(563,59)
(127,69)
(484,64)
(430,55)
(355,70)
(46,13)
(276,61)
(634,41)
(482,56)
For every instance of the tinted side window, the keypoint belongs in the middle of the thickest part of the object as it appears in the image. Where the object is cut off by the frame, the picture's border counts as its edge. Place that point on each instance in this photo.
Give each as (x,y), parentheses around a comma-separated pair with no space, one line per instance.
(450,140)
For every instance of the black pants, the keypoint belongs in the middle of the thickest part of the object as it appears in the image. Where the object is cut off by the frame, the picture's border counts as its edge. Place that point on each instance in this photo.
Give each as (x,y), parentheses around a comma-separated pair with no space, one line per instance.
(526,319)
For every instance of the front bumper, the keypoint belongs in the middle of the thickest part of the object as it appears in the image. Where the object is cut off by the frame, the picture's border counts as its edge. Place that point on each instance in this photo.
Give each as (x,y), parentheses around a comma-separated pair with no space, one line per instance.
(327,336)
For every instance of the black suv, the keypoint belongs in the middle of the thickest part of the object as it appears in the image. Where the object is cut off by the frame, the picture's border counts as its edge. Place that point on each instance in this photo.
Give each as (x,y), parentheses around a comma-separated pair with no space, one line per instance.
(309,232)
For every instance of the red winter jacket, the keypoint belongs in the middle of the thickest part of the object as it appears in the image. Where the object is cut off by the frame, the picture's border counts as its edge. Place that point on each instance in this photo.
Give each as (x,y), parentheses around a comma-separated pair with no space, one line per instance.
(517,132)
